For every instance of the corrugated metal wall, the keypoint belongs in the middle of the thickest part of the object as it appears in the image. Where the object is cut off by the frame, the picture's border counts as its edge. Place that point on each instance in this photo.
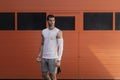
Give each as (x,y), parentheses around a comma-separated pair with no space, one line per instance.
(87,54)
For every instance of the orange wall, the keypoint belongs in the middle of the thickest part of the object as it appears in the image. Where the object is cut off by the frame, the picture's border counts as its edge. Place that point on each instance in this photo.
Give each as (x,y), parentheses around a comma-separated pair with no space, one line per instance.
(38,5)
(87,54)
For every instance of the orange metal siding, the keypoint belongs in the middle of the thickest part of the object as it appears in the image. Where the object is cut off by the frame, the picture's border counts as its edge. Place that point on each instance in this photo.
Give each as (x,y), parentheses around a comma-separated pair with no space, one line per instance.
(87,54)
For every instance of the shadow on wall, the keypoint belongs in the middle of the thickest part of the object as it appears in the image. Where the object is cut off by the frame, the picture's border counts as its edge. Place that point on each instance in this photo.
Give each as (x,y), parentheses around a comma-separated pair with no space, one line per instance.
(90,67)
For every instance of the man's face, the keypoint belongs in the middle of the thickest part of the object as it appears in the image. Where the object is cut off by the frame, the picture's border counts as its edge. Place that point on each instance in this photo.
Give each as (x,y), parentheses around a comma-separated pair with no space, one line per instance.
(51,22)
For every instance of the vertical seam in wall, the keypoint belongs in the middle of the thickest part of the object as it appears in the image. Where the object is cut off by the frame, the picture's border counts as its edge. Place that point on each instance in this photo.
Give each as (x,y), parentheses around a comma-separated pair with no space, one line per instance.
(16,21)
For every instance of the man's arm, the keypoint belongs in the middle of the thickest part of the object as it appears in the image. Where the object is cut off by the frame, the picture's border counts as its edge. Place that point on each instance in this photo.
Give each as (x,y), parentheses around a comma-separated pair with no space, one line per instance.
(40,50)
(60,45)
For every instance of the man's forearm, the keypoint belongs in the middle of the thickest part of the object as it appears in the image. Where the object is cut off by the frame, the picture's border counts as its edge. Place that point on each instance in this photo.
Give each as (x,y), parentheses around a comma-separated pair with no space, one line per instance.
(40,51)
(60,51)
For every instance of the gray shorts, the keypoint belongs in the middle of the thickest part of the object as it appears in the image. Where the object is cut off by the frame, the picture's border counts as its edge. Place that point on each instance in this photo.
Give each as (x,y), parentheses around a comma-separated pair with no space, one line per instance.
(49,65)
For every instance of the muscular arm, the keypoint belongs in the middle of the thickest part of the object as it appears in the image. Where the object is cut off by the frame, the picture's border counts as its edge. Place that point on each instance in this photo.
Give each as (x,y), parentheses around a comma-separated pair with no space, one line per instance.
(60,45)
(59,35)
(41,48)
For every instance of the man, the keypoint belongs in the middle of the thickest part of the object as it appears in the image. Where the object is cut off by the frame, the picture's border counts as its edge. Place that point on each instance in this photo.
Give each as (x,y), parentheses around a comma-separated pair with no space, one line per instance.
(51,50)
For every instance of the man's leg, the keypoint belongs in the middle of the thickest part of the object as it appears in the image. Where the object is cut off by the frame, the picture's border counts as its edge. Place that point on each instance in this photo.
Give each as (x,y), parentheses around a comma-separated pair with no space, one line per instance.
(52,68)
(53,76)
(44,67)
(46,76)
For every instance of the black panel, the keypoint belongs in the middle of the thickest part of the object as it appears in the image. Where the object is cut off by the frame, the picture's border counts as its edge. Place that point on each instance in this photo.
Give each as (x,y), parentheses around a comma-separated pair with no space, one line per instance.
(117,21)
(98,21)
(31,21)
(7,21)
(65,22)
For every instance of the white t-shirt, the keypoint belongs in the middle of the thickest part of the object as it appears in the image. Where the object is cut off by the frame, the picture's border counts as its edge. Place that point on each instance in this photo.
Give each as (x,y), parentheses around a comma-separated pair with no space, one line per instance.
(50,43)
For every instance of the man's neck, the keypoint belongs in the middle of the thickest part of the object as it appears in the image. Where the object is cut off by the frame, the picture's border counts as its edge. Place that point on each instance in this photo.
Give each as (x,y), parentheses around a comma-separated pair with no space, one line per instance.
(51,28)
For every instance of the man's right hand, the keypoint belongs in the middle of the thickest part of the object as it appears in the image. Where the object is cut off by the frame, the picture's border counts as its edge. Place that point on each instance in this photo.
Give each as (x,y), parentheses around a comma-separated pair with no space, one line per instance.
(38,59)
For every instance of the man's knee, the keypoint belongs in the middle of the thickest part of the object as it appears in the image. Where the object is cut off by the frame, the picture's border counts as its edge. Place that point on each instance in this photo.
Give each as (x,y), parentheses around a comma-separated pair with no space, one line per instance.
(53,76)
(45,76)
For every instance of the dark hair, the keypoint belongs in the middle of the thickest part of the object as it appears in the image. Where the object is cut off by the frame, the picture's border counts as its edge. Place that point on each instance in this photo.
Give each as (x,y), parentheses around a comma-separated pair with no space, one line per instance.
(50,16)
